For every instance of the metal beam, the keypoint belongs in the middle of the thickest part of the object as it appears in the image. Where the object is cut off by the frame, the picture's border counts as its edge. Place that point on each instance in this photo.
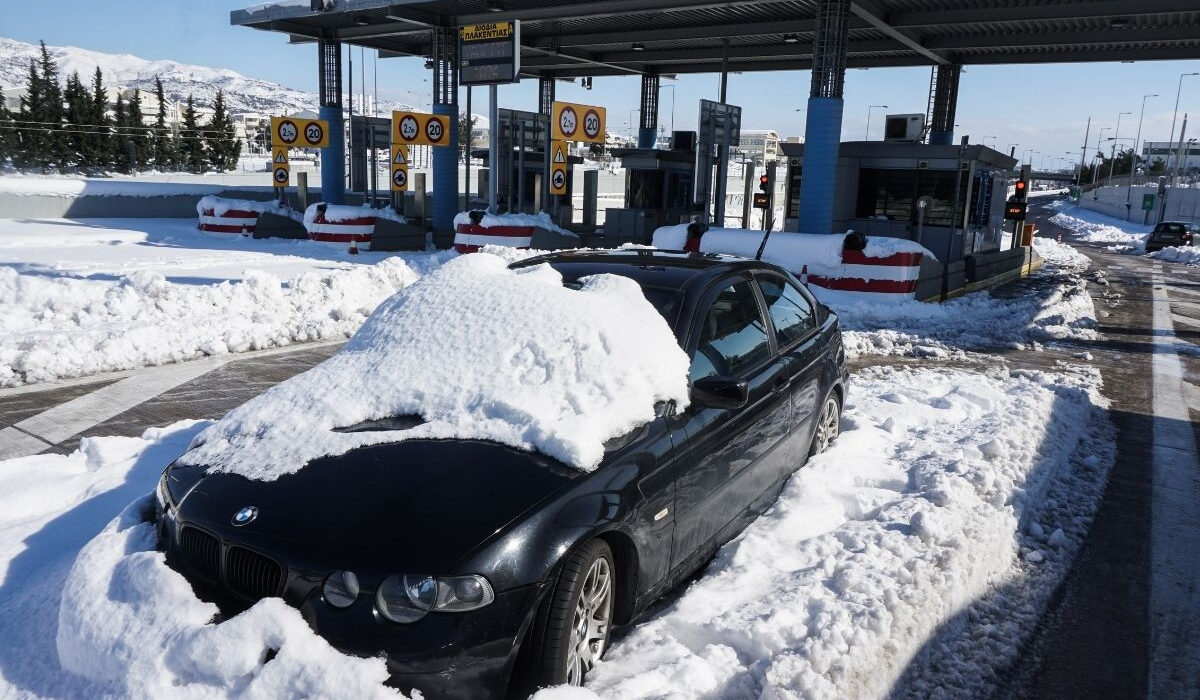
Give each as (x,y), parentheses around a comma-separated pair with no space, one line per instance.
(1085,55)
(414,16)
(776,51)
(875,17)
(577,59)
(673,34)
(594,9)
(1072,38)
(1042,11)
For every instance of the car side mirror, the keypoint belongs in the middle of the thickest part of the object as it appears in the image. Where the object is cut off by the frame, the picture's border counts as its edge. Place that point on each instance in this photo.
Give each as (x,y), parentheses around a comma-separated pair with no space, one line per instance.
(720,392)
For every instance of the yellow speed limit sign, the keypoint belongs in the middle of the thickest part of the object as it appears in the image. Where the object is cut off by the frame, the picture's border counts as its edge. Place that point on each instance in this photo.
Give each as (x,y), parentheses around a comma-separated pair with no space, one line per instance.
(420,129)
(572,122)
(399,168)
(295,132)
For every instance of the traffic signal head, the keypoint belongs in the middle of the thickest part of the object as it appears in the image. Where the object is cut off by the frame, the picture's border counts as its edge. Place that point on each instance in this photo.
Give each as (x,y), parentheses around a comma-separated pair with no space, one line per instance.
(764,183)
(1021,190)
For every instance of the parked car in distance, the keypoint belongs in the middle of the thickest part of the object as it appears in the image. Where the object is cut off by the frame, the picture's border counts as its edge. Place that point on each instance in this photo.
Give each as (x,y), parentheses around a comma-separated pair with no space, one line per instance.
(478,570)
(1169,234)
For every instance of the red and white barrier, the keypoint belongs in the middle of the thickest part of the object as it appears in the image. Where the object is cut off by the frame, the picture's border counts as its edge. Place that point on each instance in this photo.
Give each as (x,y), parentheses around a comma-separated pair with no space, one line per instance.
(896,274)
(229,221)
(328,223)
(469,238)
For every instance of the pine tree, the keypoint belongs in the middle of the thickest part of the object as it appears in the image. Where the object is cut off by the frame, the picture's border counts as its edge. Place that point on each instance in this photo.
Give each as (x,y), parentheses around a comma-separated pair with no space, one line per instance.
(78,108)
(137,130)
(220,143)
(30,144)
(163,141)
(56,148)
(191,146)
(8,135)
(96,141)
(119,145)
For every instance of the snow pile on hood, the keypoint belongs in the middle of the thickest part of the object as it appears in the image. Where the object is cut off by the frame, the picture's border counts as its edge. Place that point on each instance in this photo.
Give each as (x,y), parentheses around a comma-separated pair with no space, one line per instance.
(538,220)
(1058,308)
(222,205)
(480,352)
(54,328)
(875,547)
(1189,255)
(792,251)
(1094,227)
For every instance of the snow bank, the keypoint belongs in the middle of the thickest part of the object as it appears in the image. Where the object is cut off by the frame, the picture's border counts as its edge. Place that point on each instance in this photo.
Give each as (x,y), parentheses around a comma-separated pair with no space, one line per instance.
(822,254)
(872,548)
(539,220)
(70,186)
(221,205)
(65,327)
(588,366)
(1094,227)
(1188,255)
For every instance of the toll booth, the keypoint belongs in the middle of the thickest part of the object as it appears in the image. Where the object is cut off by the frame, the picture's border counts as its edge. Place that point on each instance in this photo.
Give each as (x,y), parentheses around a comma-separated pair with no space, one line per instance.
(370,141)
(522,165)
(881,186)
(658,190)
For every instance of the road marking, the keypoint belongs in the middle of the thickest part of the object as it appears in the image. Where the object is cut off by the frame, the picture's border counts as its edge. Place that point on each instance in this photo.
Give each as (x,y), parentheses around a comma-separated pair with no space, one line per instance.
(1174,521)
(14,443)
(1191,396)
(1185,290)
(1186,320)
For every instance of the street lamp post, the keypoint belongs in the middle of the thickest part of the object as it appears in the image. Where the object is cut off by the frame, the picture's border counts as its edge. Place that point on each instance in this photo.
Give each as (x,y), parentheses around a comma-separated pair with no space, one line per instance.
(1112,162)
(870,108)
(1137,141)
(1178,91)
(1099,138)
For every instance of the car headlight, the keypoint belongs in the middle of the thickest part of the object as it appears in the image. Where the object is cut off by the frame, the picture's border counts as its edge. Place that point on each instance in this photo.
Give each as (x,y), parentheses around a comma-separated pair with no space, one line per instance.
(161,494)
(341,589)
(407,598)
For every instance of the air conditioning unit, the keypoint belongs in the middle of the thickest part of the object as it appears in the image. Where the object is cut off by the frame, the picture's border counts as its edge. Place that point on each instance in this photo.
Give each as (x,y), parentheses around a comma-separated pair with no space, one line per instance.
(904,127)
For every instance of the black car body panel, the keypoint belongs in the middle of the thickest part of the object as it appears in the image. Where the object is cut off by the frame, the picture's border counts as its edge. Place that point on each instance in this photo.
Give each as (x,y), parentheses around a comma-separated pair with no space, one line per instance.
(665,497)
(1168,234)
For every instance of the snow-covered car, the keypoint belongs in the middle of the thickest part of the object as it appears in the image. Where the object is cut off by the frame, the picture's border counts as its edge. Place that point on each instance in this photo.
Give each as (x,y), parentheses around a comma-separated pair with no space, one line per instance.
(1169,234)
(474,565)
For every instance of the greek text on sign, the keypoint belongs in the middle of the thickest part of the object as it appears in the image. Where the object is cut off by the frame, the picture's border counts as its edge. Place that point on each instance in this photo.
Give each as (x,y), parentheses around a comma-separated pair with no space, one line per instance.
(301,133)
(487,32)
(572,122)
(420,129)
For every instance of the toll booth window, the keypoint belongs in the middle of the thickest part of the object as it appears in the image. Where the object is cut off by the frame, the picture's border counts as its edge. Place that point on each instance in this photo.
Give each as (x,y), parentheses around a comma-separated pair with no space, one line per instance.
(679,191)
(891,194)
(645,189)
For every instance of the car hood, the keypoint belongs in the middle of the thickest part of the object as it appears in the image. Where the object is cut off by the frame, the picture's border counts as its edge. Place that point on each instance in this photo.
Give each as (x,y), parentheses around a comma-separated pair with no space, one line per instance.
(410,507)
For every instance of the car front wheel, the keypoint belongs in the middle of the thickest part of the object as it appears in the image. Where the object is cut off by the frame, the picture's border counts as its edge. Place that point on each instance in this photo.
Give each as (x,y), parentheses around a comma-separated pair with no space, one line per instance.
(828,425)
(577,621)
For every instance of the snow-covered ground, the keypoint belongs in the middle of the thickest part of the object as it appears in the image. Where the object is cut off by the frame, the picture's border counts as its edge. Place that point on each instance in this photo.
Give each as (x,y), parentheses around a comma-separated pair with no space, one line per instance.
(1094,227)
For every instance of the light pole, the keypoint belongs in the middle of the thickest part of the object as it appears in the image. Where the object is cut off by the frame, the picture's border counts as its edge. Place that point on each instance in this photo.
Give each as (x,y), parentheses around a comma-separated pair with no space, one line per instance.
(1012,148)
(1178,91)
(672,89)
(1116,135)
(870,108)
(1096,167)
(985,138)
(1137,141)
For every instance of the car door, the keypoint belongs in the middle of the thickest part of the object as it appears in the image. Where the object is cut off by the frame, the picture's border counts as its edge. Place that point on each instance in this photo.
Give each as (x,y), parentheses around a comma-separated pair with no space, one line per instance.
(725,449)
(794,321)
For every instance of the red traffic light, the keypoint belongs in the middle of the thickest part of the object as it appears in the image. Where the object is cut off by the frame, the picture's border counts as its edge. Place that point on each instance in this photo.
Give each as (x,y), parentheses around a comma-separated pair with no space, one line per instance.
(763,182)
(1020,185)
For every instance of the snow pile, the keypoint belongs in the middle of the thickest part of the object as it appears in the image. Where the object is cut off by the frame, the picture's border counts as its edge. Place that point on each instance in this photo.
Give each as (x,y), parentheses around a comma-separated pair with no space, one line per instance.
(1188,255)
(219,206)
(67,186)
(334,213)
(822,254)
(539,220)
(1059,309)
(1093,227)
(64,327)
(587,367)
(873,547)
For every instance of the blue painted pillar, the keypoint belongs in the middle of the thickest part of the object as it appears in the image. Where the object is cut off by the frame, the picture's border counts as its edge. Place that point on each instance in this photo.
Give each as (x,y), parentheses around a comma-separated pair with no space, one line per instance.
(445,173)
(945,102)
(822,138)
(333,158)
(823,124)
(648,113)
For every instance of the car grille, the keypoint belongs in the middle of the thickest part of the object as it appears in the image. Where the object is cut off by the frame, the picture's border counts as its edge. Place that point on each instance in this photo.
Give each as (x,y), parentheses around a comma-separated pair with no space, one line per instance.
(251,574)
(246,573)
(202,552)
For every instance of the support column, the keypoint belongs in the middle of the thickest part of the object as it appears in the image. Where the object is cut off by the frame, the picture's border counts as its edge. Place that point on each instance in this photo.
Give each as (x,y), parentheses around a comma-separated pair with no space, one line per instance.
(445,102)
(545,106)
(648,126)
(545,94)
(333,159)
(945,101)
(823,127)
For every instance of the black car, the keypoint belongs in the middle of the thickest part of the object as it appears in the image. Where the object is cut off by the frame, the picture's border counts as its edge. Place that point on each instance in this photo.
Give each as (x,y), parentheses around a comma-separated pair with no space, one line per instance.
(478,570)
(1172,233)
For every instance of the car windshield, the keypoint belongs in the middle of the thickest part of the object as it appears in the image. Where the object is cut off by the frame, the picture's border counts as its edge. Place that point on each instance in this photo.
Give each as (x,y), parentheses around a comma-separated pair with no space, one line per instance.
(1168,227)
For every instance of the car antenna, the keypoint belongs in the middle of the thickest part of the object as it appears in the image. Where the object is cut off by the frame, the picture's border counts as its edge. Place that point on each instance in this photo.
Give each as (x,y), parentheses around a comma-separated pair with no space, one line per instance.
(762,246)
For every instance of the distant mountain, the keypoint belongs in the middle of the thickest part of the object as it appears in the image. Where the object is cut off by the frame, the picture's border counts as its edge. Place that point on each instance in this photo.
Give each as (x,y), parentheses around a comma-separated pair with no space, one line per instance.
(242,94)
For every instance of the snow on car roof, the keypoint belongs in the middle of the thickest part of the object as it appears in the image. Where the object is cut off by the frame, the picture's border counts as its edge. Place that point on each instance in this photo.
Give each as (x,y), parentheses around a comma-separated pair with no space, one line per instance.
(480,352)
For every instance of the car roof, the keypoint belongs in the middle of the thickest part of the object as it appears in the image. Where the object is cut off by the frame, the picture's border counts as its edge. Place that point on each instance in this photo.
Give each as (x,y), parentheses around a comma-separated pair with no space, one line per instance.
(670,269)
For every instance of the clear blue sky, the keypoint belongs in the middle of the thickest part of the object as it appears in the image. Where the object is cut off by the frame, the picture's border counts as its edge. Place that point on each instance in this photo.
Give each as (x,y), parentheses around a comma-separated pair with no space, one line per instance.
(1041,107)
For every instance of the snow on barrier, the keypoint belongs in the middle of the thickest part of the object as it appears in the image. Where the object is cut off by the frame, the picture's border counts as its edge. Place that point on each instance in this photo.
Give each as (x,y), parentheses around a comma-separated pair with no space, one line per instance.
(475,229)
(885,268)
(219,215)
(334,223)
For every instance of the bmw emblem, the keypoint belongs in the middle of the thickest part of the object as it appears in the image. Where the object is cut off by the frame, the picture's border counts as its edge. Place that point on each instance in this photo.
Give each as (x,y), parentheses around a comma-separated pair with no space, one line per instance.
(245,515)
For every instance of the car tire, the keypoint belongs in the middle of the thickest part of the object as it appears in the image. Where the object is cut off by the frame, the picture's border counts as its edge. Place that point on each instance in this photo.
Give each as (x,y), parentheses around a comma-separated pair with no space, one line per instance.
(829,425)
(576,620)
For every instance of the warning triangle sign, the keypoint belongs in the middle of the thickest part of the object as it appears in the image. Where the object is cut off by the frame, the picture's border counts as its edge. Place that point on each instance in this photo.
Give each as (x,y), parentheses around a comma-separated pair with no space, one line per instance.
(559,156)
(281,156)
(400,159)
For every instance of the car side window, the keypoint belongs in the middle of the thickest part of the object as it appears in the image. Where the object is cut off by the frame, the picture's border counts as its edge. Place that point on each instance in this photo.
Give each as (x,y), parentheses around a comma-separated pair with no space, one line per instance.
(733,337)
(790,310)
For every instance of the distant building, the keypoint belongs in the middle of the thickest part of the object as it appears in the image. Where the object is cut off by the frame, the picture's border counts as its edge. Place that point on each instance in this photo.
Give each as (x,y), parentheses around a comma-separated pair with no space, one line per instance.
(1190,159)
(760,146)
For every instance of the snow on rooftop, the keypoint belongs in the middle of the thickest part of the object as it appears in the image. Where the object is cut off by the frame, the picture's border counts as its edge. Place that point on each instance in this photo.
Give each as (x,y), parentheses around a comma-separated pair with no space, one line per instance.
(480,352)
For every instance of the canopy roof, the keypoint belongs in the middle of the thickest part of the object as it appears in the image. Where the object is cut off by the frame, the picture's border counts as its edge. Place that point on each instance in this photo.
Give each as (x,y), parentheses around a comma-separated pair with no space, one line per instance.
(615,37)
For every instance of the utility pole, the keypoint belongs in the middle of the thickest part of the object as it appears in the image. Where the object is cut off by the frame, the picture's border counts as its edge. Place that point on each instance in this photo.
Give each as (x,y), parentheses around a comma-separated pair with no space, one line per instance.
(1083,151)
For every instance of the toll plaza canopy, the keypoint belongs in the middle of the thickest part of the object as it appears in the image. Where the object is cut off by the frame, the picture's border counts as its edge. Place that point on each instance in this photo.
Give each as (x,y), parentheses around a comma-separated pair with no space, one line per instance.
(618,37)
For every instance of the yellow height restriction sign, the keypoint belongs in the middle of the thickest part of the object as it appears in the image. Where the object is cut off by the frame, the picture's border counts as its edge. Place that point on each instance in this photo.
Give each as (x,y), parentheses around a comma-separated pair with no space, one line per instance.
(299,133)
(399,167)
(572,122)
(281,171)
(558,168)
(420,129)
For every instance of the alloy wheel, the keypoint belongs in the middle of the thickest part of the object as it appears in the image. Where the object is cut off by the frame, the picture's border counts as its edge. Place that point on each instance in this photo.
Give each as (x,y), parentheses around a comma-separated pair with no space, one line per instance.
(828,426)
(591,622)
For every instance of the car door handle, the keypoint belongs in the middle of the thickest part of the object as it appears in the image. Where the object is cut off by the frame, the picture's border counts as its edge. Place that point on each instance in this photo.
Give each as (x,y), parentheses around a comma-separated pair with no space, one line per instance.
(781,384)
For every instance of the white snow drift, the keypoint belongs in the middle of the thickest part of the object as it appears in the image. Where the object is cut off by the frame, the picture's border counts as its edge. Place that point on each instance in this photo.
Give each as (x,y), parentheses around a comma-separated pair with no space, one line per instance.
(1094,227)
(479,351)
